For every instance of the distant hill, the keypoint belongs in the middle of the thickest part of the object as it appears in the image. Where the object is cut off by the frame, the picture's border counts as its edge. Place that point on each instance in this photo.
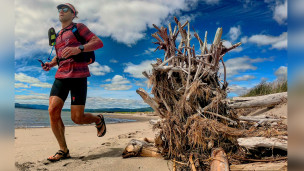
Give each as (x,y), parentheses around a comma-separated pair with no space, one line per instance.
(108,110)
(31,106)
(112,110)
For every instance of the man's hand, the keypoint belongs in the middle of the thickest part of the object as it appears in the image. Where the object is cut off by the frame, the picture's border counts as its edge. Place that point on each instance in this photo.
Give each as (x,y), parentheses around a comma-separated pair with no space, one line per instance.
(70,51)
(46,67)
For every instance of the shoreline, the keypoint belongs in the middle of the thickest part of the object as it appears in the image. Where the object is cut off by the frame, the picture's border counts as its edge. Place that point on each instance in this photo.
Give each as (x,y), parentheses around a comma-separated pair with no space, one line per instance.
(125,118)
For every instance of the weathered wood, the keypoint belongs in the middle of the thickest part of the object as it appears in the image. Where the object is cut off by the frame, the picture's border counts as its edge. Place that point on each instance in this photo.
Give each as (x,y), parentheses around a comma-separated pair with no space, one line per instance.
(260,101)
(192,163)
(217,115)
(218,36)
(258,119)
(219,160)
(264,97)
(255,142)
(146,74)
(140,148)
(282,166)
(174,165)
(168,68)
(231,48)
(189,60)
(154,121)
(149,100)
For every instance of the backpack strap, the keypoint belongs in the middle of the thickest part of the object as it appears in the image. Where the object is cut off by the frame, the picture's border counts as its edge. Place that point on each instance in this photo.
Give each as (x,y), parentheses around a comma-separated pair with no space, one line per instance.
(77,35)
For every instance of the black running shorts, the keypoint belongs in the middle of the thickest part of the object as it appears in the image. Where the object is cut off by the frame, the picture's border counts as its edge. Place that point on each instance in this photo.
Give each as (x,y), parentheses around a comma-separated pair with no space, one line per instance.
(77,86)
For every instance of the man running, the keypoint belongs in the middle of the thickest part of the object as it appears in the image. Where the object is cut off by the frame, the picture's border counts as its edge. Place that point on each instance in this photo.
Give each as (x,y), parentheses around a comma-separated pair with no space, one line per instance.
(71,76)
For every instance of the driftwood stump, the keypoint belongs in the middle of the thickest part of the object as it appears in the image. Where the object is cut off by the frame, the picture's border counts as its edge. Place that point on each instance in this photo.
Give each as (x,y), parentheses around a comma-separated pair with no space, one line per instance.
(189,96)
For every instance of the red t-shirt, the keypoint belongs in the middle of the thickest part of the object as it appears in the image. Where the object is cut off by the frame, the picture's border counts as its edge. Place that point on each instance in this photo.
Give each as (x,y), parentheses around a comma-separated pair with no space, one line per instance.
(69,68)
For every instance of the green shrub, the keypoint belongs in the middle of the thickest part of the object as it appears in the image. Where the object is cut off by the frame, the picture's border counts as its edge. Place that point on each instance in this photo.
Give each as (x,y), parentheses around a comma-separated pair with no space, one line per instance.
(264,88)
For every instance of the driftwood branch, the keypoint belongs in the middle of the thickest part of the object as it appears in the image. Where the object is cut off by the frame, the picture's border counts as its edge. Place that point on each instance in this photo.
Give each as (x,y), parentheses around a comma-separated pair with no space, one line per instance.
(259,101)
(150,101)
(219,160)
(255,142)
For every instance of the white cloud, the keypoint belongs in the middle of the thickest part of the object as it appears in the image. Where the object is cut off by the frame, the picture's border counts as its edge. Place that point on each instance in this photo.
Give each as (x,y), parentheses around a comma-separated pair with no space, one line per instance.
(136,70)
(280,12)
(113,61)
(97,69)
(43,85)
(238,49)
(32,97)
(25,78)
(244,78)
(123,21)
(189,18)
(281,73)
(29,68)
(226,43)
(98,102)
(279,42)
(32,81)
(141,84)
(237,65)
(118,83)
(244,39)
(148,51)
(237,89)
(21,85)
(234,33)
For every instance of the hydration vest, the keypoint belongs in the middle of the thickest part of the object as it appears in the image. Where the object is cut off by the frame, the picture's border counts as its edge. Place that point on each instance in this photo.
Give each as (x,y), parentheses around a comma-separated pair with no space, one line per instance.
(88,57)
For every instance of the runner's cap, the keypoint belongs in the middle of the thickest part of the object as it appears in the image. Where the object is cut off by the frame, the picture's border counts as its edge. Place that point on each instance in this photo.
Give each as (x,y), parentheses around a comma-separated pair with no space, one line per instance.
(69,6)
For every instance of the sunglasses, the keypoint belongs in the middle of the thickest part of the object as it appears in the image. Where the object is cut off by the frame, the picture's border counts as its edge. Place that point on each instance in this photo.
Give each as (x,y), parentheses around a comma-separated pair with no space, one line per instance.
(63,9)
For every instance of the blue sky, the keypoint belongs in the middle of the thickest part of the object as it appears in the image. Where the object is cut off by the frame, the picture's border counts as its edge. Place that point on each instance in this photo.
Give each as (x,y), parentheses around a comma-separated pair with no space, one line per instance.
(125,27)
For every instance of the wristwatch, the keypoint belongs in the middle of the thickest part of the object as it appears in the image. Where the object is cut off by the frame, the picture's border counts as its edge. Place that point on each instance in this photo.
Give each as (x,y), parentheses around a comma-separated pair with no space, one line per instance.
(81,47)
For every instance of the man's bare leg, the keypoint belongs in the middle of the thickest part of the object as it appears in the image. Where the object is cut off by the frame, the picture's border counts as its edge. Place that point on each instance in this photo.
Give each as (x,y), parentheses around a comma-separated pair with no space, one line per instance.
(55,107)
(79,117)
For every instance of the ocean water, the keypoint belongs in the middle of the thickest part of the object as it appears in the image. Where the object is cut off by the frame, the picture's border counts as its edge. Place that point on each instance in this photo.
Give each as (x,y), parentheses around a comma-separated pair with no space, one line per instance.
(31,118)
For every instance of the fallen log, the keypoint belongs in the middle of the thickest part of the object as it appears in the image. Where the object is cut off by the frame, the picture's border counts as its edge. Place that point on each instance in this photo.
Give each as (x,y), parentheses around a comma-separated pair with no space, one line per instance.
(259,119)
(260,166)
(259,101)
(154,121)
(255,142)
(136,148)
(219,160)
(240,99)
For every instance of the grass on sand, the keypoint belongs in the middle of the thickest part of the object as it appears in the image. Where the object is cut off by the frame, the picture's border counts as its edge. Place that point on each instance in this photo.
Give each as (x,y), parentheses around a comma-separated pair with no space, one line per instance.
(264,88)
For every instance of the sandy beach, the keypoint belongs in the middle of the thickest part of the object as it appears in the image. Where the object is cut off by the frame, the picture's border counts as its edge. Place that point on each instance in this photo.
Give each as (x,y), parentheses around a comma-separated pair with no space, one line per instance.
(88,152)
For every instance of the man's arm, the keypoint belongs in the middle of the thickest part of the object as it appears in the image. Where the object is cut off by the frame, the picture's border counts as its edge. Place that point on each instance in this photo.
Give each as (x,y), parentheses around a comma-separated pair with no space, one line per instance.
(53,62)
(93,44)
(48,65)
